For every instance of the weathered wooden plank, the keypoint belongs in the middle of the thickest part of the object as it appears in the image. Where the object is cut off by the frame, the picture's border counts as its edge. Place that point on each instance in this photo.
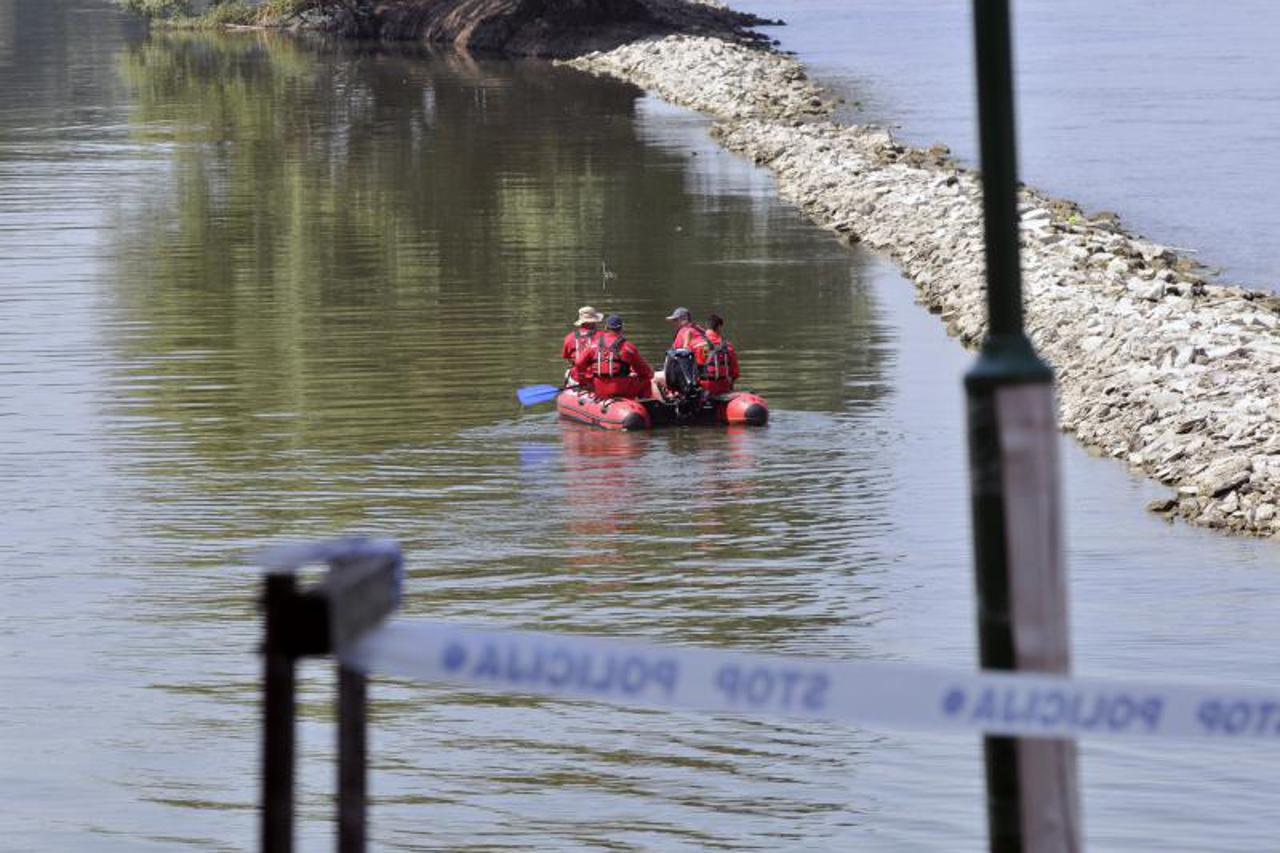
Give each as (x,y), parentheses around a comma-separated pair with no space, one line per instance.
(1047,769)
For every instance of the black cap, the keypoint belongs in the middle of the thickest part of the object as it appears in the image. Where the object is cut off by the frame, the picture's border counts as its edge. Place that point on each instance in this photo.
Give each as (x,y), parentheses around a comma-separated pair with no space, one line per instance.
(613,322)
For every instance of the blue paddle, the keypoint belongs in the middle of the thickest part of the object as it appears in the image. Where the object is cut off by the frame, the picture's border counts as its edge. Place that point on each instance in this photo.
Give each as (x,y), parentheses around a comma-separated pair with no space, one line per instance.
(532,395)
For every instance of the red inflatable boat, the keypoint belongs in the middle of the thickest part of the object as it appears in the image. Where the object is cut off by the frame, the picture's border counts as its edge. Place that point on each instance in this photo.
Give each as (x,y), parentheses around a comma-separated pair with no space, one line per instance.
(736,407)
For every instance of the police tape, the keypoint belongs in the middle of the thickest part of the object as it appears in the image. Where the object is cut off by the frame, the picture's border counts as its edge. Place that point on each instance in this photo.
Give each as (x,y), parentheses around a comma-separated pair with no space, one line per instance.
(871,694)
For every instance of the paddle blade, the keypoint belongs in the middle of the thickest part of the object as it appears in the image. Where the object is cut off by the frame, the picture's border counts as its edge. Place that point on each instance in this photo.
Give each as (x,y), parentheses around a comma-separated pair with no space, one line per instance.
(534,394)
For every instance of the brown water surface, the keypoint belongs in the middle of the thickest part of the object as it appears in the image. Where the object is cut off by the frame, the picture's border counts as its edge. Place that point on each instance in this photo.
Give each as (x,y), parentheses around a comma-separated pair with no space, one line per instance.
(256,290)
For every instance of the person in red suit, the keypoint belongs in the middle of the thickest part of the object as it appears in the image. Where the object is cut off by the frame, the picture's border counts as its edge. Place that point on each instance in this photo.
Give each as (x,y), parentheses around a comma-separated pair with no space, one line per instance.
(686,337)
(613,364)
(577,341)
(686,329)
(716,357)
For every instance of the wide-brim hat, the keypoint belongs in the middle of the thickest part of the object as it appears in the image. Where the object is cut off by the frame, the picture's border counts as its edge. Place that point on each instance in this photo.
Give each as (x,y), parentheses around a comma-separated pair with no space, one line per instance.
(680,314)
(587,314)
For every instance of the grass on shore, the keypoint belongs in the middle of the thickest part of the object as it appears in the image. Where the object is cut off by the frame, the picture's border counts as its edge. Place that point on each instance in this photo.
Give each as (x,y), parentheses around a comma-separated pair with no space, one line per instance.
(224,13)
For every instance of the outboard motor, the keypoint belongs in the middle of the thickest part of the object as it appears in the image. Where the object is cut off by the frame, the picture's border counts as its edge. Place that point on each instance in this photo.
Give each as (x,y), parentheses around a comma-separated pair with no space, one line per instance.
(681,373)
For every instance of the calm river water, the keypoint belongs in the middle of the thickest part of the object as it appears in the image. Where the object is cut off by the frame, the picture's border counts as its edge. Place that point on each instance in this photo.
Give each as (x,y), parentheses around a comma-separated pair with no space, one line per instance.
(255,291)
(1166,111)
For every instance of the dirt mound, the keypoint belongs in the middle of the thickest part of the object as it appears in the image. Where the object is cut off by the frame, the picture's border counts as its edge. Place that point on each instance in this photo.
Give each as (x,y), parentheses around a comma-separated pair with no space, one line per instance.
(551,28)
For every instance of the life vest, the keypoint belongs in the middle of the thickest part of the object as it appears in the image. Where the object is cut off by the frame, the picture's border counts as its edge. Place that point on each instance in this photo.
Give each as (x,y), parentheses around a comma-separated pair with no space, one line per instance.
(609,361)
(684,336)
(582,339)
(713,358)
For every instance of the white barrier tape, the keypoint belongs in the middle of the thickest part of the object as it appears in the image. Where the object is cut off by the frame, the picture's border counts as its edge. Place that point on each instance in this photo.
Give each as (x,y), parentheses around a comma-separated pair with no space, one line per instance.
(877,695)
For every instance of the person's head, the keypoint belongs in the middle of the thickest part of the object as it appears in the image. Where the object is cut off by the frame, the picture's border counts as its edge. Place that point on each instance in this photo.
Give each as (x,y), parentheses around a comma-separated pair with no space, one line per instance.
(679,317)
(588,317)
(714,322)
(613,323)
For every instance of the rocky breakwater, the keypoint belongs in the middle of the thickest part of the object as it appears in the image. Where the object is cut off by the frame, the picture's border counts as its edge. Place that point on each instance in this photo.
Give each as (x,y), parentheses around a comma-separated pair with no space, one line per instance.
(1176,375)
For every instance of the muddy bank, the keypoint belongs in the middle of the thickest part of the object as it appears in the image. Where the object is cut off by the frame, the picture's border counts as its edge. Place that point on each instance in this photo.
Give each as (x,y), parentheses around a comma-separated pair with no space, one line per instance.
(1174,374)
(547,28)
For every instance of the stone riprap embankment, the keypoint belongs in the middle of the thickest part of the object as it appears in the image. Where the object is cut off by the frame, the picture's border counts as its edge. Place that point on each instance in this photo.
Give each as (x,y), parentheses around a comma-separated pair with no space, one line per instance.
(690,71)
(1178,376)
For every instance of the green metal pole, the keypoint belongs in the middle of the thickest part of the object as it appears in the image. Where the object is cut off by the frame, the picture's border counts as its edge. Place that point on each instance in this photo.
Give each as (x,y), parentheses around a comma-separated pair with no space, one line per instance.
(999,165)
(1004,483)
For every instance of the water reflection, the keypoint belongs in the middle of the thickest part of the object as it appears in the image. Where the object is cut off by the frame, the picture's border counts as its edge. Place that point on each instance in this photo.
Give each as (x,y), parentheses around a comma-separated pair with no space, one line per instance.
(318,314)
(274,291)
(598,491)
(419,231)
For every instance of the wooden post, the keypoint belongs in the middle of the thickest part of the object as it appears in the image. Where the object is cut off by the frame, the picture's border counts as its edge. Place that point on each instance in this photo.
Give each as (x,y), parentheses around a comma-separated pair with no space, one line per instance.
(1049,819)
(361,589)
(1032,800)
(352,755)
(278,716)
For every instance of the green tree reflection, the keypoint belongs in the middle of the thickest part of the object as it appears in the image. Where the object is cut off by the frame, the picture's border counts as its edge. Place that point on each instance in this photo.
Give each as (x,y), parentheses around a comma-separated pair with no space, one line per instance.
(355,241)
(346,260)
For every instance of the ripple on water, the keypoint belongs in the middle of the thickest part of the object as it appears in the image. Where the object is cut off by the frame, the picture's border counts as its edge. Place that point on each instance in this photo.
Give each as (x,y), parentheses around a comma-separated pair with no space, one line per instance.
(271,292)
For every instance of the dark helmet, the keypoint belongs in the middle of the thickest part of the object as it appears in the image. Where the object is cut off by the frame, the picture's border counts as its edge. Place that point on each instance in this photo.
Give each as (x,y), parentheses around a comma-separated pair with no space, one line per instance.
(613,323)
